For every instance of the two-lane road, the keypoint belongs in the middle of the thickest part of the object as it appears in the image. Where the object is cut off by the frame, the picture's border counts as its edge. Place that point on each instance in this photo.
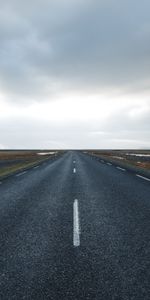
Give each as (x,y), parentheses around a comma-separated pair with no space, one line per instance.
(76,229)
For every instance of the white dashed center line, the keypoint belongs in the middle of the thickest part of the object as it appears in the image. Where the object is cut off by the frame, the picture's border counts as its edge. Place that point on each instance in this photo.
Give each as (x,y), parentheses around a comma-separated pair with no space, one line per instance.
(76,226)
(74,170)
(109,164)
(145,178)
(74,161)
(120,169)
(21,173)
(36,167)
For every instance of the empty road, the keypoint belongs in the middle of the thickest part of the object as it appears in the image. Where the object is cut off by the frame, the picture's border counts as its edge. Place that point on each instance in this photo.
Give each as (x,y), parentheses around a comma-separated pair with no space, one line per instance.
(75,228)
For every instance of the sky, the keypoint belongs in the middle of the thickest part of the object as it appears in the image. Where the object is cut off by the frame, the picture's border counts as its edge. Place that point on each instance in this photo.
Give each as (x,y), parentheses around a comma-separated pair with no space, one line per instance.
(74,74)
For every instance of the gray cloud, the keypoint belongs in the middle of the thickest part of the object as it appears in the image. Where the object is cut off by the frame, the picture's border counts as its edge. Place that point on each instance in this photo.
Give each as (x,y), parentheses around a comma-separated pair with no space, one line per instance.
(48,46)
(52,49)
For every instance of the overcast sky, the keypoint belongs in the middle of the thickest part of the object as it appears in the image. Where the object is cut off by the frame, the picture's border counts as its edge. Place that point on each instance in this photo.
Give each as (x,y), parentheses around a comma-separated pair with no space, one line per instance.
(74,74)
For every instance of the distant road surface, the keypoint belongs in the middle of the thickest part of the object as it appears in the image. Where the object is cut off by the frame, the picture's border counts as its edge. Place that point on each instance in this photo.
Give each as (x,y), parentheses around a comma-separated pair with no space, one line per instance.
(75,229)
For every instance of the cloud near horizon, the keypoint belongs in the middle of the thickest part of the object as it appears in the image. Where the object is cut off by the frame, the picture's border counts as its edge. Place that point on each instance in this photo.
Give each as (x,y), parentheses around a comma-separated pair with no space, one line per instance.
(74,74)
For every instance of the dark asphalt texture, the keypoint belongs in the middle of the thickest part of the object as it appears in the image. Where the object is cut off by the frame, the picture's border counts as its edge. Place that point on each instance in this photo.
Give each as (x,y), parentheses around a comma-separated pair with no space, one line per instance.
(37,256)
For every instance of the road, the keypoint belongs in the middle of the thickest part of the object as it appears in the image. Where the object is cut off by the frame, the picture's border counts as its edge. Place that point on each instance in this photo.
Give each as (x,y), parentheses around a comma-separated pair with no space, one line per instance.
(75,228)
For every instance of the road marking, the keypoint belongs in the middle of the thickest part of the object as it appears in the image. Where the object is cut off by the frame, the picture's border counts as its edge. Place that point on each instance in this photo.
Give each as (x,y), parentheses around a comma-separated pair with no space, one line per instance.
(0,182)
(36,167)
(74,161)
(145,178)
(74,170)
(109,164)
(76,226)
(120,169)
(21,173)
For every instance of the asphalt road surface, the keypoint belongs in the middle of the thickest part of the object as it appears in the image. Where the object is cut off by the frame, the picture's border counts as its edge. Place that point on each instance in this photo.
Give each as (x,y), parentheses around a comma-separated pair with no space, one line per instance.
(75,228)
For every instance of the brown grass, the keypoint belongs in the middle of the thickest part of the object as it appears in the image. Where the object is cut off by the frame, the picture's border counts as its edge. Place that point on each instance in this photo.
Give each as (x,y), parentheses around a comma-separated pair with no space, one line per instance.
(27,159)
(120,156)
